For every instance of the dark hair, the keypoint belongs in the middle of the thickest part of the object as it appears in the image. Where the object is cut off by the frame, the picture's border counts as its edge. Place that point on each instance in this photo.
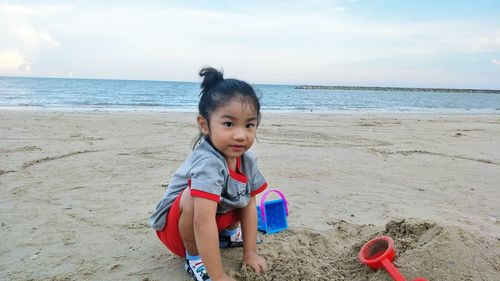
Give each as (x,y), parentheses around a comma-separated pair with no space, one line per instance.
(217,91)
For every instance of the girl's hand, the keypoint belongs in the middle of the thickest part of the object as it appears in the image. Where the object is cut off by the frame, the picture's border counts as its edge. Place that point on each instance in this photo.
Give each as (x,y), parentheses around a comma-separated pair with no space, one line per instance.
(255,261)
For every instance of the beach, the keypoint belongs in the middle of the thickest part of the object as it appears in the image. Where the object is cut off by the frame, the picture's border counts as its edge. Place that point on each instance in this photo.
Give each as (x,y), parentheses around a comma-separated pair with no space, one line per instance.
(77,189)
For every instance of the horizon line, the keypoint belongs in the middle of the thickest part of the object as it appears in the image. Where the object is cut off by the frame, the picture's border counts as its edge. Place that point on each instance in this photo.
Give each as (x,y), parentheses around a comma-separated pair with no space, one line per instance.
(297,86)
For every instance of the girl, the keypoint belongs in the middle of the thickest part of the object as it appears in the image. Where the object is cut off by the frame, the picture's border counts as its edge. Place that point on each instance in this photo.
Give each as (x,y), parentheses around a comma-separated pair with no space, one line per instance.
(214,189)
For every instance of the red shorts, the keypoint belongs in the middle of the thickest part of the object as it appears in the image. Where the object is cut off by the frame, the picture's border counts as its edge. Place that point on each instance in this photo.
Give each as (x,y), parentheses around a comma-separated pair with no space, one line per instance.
(170,235)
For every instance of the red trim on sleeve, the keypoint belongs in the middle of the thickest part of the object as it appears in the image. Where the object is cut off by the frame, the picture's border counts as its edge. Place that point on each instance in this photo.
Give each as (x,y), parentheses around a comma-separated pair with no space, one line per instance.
(203,194)
(206,195)
(258,190)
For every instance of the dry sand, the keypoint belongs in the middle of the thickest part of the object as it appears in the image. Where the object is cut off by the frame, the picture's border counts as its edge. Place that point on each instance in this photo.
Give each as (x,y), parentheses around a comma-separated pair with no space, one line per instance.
(77,190)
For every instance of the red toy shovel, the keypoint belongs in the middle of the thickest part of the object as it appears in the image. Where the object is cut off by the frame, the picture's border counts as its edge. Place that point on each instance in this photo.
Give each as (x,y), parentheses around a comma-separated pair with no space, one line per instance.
(379,252)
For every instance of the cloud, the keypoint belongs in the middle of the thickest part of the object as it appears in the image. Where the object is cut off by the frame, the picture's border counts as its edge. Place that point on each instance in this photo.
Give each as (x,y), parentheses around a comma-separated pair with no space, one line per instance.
(495,61)
(22,40)
(13,62)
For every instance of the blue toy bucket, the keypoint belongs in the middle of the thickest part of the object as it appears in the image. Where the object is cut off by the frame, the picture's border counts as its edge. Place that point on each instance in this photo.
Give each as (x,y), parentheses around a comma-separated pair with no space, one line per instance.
(272,215)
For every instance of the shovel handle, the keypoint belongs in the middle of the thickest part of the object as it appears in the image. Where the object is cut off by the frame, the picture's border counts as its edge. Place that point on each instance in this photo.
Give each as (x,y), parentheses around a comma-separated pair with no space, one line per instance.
(392,270)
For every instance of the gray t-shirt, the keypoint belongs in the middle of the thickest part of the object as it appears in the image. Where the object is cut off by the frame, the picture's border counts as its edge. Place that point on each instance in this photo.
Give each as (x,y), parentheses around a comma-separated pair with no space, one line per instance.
(207,175)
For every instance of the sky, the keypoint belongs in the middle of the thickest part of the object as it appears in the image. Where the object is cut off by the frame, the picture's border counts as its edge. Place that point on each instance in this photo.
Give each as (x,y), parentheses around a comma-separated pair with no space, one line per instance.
(411,43)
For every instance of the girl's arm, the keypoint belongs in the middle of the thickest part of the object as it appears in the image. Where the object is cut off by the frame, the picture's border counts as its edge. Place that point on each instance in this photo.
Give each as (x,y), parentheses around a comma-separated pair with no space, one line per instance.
(207,237)
(249,231)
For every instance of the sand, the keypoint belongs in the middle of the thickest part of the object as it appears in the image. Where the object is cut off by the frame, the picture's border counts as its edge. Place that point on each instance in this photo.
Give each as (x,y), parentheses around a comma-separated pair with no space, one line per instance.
(77,190)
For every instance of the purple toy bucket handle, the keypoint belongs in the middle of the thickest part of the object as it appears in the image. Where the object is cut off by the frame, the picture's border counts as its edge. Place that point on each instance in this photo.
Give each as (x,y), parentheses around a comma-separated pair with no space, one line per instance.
(263,200)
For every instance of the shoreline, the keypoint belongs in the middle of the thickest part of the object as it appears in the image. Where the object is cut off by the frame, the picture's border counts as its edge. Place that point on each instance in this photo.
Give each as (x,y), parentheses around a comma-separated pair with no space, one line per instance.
(360,112)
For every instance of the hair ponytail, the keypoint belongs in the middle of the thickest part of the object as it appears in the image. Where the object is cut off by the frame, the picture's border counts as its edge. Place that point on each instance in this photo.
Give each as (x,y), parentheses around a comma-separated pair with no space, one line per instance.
(211,77)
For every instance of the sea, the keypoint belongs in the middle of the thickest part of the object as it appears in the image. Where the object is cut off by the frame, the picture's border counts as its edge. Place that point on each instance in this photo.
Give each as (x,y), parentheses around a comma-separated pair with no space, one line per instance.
(63,94)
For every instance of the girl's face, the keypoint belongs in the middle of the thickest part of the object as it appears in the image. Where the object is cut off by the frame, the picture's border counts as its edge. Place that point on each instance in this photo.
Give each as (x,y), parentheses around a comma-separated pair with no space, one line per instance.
(232,128)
